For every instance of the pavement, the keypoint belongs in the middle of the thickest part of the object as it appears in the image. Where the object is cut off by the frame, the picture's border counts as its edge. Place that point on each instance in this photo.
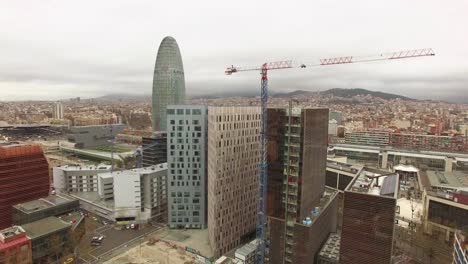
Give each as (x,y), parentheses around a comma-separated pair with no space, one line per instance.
(114,240)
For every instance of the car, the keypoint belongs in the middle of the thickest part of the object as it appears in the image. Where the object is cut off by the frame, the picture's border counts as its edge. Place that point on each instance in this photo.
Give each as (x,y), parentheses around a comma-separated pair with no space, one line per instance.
(127,226)
(132,226)
(95,218)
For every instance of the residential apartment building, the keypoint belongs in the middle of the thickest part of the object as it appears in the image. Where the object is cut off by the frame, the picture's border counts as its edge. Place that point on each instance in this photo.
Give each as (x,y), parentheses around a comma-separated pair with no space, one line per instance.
(233,160)
(372,138)
(70,178)
(24,176)
(187,172)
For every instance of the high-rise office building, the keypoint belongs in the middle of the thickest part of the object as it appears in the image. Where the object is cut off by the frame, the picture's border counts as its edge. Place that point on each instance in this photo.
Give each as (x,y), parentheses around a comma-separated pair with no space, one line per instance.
(58,110)
(24,176)
(302,212)
(233,159)
(168,81)
(186,161)
(369,218)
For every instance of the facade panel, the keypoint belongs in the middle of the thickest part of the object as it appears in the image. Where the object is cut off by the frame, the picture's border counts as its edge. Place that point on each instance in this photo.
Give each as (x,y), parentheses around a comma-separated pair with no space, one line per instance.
(233,158)
(187,176)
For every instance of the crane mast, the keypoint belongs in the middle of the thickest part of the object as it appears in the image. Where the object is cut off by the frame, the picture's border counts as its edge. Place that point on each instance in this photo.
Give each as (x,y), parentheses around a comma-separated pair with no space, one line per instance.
(288,64)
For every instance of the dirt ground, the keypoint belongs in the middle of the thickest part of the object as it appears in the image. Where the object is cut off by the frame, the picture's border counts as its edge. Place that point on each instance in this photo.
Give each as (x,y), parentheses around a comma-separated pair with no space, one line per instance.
(159,253)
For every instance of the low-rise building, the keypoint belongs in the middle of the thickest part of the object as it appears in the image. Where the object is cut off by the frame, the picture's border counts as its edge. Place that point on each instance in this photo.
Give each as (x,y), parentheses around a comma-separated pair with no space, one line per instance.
(15,246)
(94,136)
(50,239)
(34,210)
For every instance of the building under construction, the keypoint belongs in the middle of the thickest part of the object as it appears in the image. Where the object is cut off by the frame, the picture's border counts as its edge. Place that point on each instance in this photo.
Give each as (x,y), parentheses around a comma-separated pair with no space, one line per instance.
(24,176)
(302,211)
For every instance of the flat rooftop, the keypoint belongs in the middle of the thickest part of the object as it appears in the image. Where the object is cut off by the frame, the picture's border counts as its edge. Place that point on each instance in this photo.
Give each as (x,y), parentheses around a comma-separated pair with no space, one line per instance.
(441,179)
(192,238)
(42,203)
(350,168)
(331,249)
(144,170)
(84,167)
(375,182)
(44,227)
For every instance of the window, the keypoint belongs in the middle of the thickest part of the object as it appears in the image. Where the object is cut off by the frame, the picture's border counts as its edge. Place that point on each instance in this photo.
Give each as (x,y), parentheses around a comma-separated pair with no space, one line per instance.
(194,122)
(196,200)
(180,111)
(172,122)
(187,111)
(170,111)
(196,112)
(198,128)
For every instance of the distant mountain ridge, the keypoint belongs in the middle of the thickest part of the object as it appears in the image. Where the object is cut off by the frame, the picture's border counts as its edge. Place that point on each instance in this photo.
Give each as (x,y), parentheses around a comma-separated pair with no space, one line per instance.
(346,93)
(338,92)
(359,91)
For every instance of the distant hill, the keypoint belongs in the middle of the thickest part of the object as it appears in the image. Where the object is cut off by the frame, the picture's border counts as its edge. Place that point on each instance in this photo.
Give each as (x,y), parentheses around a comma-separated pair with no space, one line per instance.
(340,92)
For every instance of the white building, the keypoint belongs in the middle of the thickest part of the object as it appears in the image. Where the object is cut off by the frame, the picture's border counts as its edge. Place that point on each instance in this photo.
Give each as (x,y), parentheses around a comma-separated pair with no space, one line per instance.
(58,110)
(70,178)
(332,127)
(129,196)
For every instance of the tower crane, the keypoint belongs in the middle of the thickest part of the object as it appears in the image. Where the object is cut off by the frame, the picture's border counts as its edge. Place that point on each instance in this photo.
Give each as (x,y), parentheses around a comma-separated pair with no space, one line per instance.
(288,64)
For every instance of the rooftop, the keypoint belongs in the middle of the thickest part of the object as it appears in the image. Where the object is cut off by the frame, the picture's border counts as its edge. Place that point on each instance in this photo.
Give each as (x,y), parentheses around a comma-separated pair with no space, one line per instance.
(44,227)
(9,233)
(86,167)
(144,170)
(331,249)
(42,203)
(375,182)
(343,166)
(440,179)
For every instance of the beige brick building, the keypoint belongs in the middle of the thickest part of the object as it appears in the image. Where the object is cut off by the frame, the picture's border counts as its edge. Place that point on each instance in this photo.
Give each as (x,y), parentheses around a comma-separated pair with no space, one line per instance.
(233,160)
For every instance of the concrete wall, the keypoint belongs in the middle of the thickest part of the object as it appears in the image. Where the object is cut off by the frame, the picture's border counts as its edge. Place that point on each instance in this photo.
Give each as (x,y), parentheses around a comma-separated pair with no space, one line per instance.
(127,190)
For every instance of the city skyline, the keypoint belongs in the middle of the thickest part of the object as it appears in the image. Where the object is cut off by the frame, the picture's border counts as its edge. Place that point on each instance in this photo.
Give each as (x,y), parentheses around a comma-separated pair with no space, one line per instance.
(112,52)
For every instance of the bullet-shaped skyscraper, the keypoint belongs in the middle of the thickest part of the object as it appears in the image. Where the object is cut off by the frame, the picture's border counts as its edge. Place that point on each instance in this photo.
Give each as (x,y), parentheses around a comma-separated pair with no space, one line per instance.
(168,81)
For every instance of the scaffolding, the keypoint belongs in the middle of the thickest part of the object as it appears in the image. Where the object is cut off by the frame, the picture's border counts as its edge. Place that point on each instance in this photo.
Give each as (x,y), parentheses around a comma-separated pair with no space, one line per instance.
(291,180)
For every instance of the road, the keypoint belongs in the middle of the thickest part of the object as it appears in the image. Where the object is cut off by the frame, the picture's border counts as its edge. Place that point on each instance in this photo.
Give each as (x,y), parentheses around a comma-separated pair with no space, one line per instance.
(114,240)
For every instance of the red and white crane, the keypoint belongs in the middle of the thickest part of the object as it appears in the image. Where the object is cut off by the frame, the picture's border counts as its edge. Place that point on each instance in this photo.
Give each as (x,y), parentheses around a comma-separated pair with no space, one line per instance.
(289,64)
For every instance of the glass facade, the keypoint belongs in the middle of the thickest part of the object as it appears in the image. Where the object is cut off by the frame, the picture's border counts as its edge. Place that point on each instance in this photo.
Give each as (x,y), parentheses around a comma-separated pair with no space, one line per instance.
(168,81)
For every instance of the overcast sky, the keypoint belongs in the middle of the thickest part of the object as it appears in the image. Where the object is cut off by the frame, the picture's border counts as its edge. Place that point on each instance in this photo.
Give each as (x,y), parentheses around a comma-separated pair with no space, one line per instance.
(62,49)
